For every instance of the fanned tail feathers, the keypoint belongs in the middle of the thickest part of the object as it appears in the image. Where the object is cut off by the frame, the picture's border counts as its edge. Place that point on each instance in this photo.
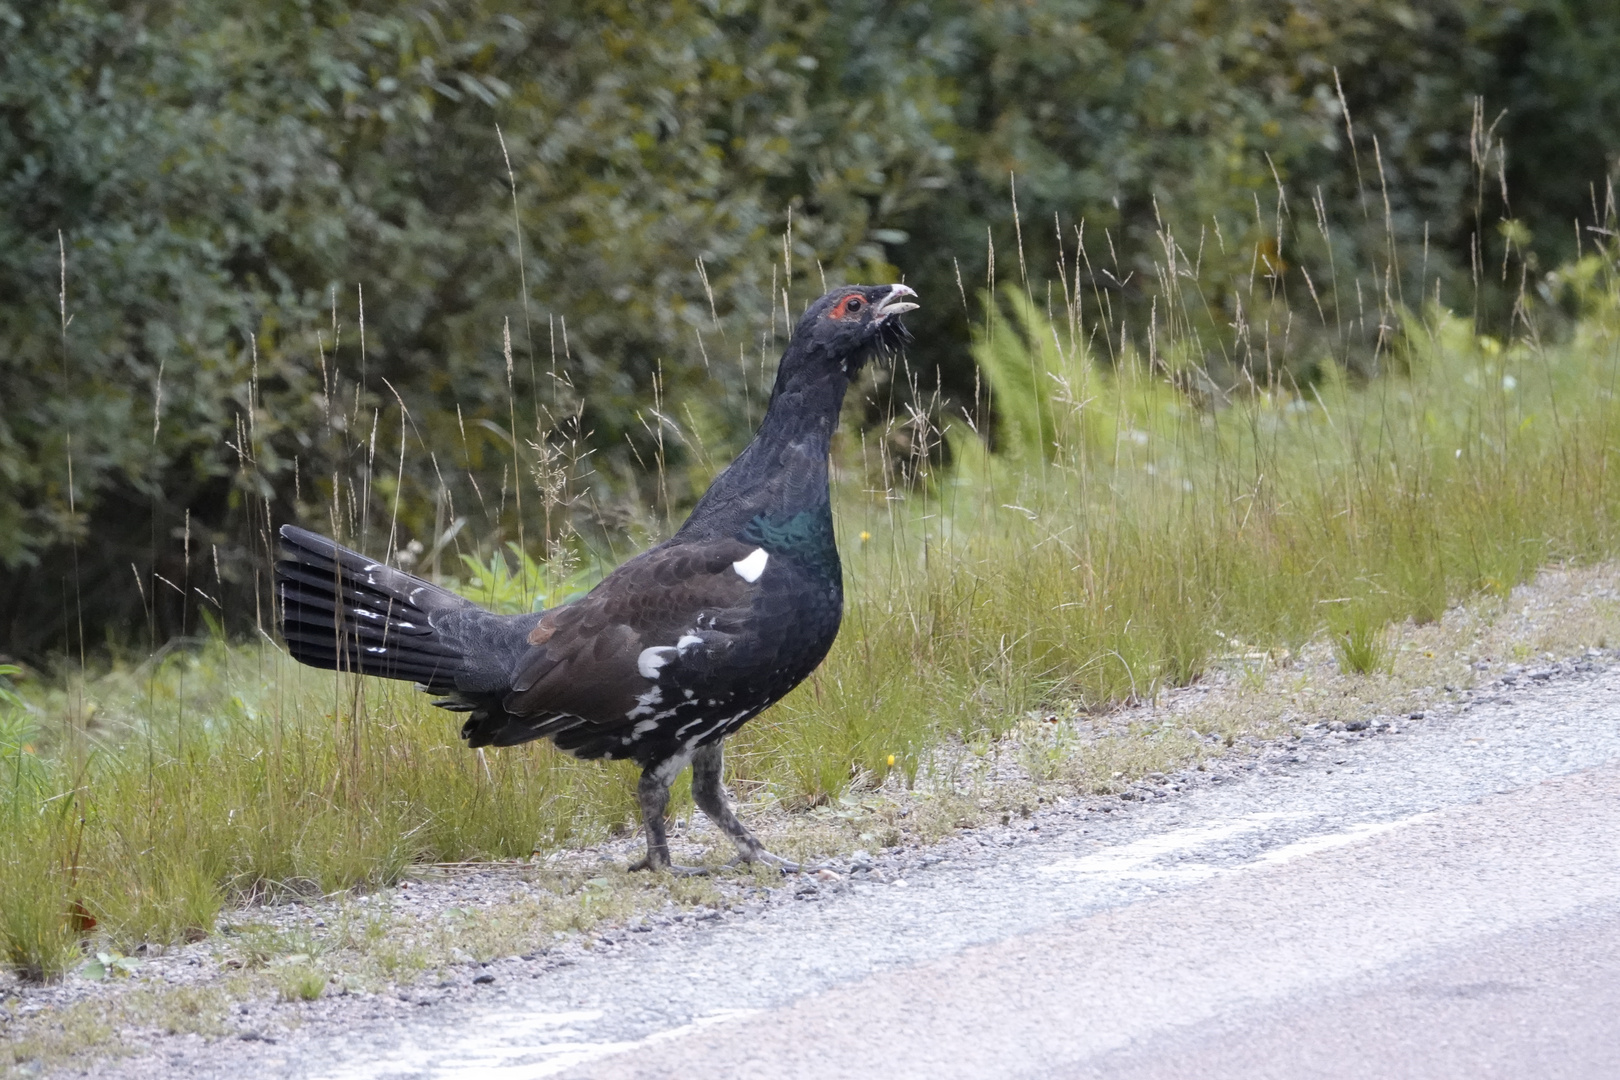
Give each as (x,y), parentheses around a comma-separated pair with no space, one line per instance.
(340,610)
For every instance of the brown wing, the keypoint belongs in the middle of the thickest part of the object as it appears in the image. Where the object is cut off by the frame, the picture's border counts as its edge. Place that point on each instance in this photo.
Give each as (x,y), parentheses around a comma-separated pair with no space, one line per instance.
(588,659)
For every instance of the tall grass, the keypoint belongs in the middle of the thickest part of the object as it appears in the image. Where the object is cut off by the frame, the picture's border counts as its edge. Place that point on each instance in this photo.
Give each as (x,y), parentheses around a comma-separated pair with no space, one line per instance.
(1124,533)
(1114,529)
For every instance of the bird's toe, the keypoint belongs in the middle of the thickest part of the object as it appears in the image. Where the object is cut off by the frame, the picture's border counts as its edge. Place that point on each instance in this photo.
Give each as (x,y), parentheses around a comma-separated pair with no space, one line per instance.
(787,866)
(676,869)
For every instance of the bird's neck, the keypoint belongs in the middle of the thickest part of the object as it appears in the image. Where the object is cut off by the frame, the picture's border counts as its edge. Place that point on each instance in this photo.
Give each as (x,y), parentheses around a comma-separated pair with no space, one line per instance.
(783,472)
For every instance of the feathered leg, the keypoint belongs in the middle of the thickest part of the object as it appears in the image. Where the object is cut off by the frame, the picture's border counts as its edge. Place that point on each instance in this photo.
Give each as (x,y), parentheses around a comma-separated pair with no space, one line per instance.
(652,792)
(709,792)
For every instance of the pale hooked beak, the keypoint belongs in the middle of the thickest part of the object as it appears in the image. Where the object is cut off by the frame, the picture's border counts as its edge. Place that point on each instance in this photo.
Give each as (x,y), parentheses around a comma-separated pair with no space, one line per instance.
(895,303)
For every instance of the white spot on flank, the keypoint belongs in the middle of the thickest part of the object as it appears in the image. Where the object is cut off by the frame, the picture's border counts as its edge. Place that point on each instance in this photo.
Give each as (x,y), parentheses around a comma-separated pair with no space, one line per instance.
(645,703)
(687,641)
(652,659)
(712,728)
(750,568)
(643,727)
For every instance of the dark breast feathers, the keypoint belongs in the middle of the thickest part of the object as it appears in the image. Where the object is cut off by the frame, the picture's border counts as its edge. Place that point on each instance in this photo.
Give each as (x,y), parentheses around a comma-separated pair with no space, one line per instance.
(676,649)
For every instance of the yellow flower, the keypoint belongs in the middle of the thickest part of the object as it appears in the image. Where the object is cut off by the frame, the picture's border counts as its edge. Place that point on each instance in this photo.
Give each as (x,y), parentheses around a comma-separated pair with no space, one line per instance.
(865,536)
(891,761)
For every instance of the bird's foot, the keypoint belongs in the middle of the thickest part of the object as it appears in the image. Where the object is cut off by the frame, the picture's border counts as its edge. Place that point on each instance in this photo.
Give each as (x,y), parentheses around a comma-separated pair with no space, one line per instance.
(676,869)
(787,866)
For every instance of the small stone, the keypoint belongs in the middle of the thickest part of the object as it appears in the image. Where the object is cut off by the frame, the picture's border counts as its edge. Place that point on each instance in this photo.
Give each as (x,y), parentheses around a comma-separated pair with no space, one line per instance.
(827,875)
(1356,725)
(483,980)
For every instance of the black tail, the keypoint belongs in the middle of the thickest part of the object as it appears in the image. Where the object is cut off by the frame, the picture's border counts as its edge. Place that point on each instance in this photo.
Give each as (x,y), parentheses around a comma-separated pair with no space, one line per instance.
(340,610)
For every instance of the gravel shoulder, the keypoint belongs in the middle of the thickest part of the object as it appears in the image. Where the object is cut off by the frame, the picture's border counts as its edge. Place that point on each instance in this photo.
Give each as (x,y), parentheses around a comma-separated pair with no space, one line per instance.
(551,964)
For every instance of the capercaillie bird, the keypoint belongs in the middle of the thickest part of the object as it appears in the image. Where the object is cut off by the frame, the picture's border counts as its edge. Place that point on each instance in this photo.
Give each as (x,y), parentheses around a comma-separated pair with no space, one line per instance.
(674,650)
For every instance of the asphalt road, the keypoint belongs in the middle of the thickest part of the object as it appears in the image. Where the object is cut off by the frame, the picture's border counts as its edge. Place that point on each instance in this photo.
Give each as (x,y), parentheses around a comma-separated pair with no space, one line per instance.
(1439,902)
(1474,941)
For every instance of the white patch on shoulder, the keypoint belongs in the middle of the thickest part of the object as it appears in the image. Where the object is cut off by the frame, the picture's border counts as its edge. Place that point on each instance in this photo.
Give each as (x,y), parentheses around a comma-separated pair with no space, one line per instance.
(652,659)
(687,641)
(750,568)
(642,728)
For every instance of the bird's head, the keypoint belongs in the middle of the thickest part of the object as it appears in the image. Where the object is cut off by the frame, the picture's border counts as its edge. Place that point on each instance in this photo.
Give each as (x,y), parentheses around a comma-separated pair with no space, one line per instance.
(850,324)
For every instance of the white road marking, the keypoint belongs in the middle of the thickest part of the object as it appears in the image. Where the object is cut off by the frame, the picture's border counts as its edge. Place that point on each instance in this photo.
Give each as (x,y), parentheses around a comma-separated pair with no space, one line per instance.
(1131,860)
(1140,860)
(516,1063)
(1327,841)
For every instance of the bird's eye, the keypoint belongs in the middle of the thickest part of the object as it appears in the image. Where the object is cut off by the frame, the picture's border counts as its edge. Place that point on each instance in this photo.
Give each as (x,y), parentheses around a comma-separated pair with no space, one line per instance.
(846,307)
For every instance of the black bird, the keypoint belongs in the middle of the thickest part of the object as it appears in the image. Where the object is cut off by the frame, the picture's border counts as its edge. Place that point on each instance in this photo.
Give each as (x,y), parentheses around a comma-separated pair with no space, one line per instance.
(674,650)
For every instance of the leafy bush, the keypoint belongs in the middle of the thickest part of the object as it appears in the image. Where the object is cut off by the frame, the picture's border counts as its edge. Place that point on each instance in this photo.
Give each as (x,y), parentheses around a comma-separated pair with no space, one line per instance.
(197,202)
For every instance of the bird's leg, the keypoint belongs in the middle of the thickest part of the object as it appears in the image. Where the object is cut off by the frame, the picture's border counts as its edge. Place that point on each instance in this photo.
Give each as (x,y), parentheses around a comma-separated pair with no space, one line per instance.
(652,792)
(710,795)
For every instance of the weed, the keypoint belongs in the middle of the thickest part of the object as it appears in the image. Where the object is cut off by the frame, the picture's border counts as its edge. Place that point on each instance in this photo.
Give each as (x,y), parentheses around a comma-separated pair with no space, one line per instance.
(38,936)
(1360,642)
(262,945)
(1045,745)
(179,1010)
(91,1028)
(297,979)
(105,965)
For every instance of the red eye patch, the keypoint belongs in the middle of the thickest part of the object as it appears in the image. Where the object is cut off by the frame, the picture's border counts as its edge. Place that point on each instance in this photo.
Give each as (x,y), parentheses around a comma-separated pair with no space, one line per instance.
(849,305)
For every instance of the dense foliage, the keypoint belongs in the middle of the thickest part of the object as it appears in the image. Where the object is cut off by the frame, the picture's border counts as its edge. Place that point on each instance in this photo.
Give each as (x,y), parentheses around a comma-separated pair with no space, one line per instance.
(196,199)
